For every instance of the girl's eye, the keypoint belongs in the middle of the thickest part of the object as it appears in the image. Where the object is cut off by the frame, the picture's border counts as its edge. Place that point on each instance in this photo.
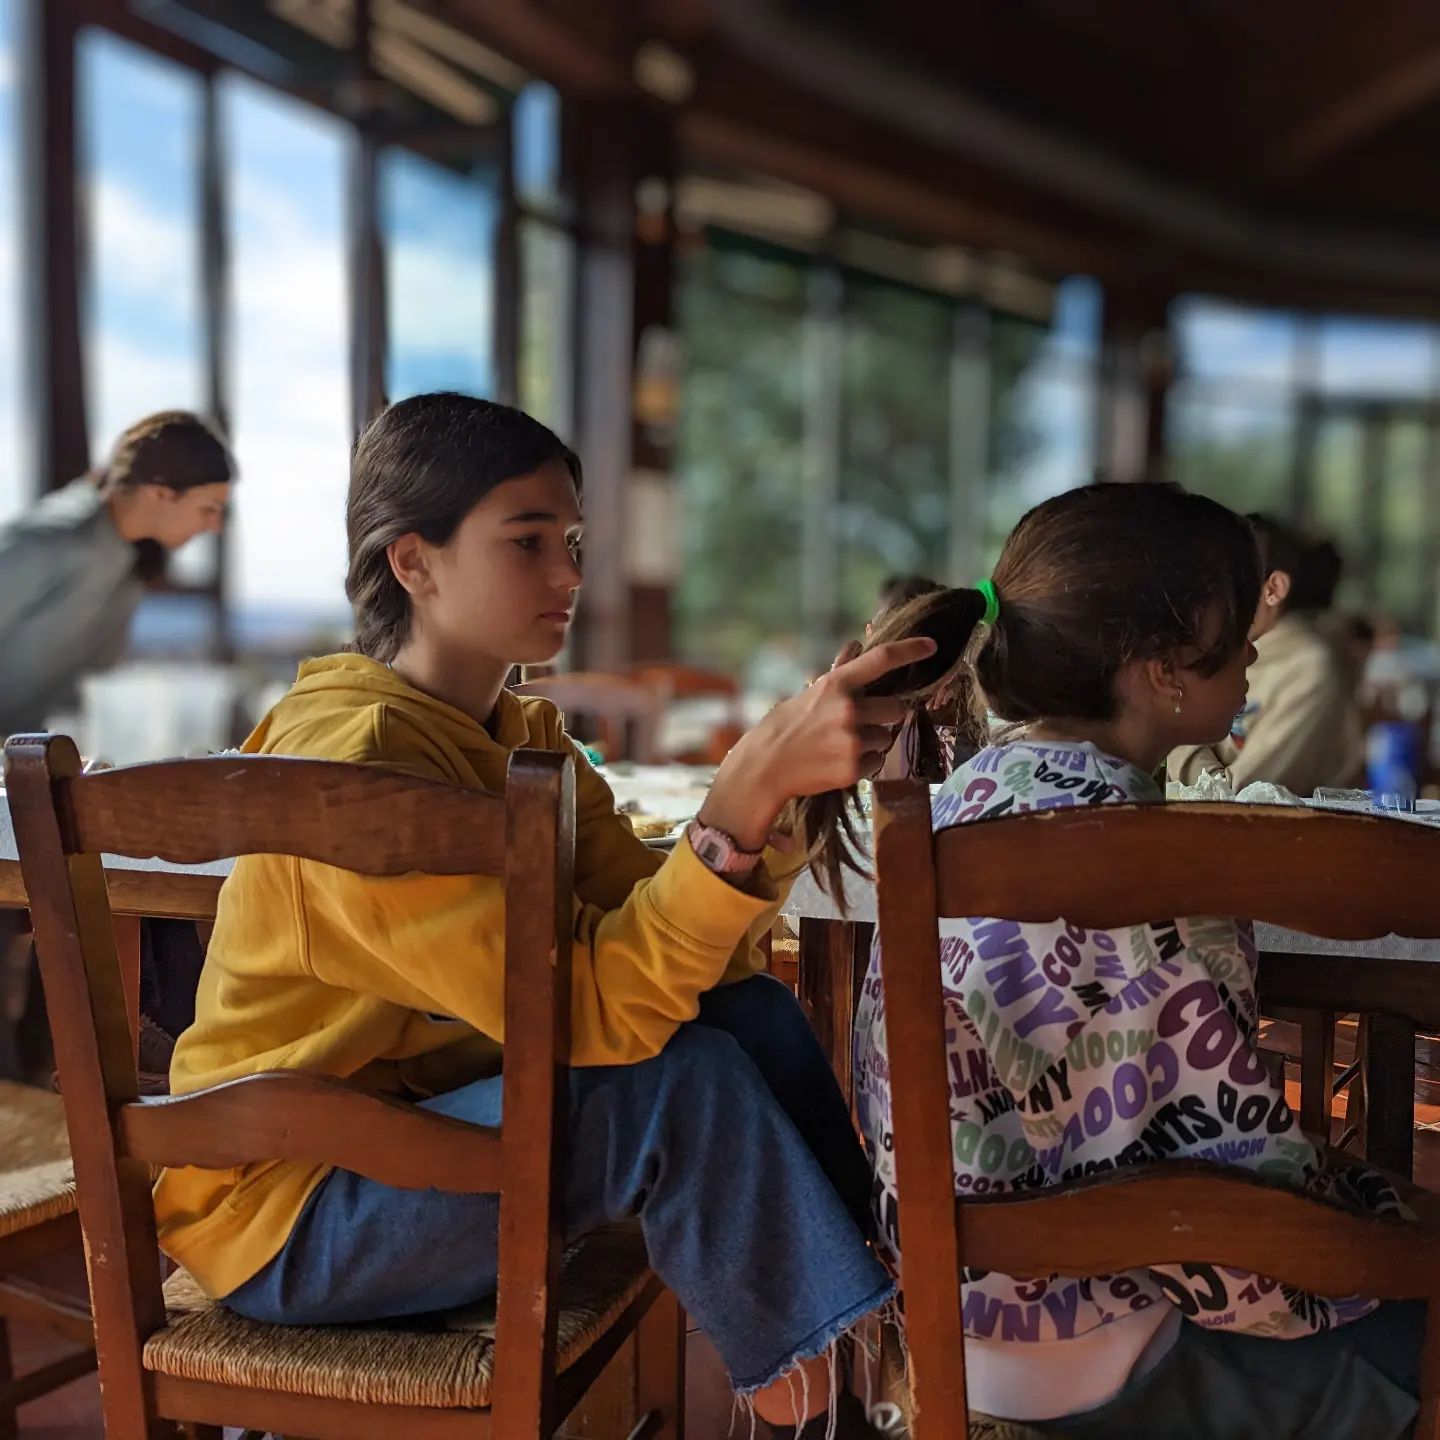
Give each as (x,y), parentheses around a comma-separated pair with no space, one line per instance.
(528,542)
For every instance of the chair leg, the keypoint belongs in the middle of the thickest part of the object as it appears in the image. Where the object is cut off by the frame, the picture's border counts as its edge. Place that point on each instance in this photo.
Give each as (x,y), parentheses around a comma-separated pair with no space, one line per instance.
(9,1423)
(1317,1070)
(660,1370)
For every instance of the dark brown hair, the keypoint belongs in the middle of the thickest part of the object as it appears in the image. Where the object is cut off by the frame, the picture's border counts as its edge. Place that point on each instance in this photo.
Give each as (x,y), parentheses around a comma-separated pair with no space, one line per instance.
(1087,582)
(899,589)
(421,466)
(173,448)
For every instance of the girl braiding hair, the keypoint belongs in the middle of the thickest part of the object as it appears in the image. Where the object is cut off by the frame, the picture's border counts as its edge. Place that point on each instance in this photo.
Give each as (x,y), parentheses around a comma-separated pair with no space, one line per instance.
(1087,582)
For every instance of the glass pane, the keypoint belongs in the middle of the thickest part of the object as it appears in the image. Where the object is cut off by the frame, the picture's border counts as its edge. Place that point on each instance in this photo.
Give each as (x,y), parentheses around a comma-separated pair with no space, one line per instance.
(1377,357)
(144,333)
(1075,324)
(547,307)
(1241,454)
(440,284)
(1402,585)
(1338,481)
(1221,341)
(894,511)
(740,466)
(14,451)
(1402,507)
(289,366)
(140,118)
(1042,427)
(536,124)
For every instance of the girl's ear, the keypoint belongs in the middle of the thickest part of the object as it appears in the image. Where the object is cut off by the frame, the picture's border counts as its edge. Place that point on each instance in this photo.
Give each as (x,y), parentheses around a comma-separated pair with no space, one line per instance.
(409,559)
(1276,589)
(1159,676)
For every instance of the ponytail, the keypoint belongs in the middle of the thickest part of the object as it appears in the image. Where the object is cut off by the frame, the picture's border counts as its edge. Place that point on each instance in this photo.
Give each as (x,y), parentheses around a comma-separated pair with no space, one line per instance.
(950,618)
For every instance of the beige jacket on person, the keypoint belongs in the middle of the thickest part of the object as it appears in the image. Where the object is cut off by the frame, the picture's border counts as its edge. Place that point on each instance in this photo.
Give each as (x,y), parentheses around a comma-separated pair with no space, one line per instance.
(1300,727)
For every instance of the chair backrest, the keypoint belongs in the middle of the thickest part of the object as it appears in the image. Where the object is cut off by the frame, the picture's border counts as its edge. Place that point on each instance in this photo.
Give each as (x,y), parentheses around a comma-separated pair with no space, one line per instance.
(359,818)
(1109,866)
(619,712)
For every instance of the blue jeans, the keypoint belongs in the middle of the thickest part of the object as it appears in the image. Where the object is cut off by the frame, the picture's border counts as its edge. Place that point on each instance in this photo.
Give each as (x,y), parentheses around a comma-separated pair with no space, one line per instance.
(734,1148)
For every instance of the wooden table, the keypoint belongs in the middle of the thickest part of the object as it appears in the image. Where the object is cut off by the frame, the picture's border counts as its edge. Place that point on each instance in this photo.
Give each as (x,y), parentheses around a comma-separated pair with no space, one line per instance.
(1393,981)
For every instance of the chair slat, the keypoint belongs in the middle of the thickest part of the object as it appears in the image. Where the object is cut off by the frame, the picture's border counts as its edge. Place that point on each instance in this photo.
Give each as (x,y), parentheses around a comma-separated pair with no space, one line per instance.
(189,812)
(1104,866)
(283,1115)
(1191,1212)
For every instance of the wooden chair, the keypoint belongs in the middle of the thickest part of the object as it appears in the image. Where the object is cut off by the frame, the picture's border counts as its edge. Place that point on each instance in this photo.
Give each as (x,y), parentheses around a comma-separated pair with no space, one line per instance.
(1111,866)
(618,712)
(689,682)
(177,1357)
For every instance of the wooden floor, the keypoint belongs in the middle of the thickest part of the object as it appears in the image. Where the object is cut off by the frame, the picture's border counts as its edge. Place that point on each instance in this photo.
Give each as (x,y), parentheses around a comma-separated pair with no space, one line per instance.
(73,1413)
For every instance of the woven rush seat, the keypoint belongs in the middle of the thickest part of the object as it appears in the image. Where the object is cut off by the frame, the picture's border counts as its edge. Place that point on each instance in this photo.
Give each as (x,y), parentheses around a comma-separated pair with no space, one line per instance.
(445,1361)
(37,1180)
(986,1427)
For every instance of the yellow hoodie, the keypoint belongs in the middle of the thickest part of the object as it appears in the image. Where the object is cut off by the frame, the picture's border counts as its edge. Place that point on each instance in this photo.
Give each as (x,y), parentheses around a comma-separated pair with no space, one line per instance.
(397,984)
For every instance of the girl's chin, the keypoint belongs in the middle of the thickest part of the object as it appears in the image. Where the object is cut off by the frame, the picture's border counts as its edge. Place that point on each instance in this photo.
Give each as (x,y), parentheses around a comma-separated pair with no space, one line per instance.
(540,652)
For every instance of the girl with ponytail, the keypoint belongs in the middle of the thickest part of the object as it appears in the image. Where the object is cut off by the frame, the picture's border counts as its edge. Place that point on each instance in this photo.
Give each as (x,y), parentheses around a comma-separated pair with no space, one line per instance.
(1114,629)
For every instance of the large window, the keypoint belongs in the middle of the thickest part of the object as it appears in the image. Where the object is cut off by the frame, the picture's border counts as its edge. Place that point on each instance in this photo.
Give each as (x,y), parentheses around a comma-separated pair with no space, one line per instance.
(287,167)
(838,428)
(14,464)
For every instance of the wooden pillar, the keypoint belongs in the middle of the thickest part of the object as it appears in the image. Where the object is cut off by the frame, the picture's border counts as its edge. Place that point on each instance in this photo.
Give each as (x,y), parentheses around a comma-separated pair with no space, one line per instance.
(367,251)
(508,287)
(625,170)
(51,246)
(1136,370)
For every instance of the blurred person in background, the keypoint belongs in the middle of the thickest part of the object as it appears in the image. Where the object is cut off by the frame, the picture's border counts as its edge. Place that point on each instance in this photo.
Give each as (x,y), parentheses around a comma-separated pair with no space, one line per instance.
(73,568)
(72,573)
(1300,727)
(898,589)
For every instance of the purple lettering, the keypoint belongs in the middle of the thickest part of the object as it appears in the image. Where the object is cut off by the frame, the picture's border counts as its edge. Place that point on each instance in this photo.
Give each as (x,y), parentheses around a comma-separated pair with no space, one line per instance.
(1050,1009)
(1129,1091)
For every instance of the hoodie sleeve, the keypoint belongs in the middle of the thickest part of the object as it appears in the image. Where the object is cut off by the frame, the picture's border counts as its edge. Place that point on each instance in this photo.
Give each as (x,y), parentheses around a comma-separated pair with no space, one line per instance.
(610,859)
(436,944)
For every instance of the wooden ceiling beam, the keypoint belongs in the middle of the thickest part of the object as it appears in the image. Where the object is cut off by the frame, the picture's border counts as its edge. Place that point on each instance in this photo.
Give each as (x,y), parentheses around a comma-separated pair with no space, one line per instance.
(1335,75)
(557,42)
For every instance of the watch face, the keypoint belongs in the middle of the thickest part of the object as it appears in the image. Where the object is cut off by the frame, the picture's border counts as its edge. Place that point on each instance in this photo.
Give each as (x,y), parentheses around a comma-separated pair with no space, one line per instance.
(711,852)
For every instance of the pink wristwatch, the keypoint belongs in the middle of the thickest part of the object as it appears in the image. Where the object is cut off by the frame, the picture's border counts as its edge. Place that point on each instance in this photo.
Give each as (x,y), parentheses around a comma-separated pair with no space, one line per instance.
(718,851)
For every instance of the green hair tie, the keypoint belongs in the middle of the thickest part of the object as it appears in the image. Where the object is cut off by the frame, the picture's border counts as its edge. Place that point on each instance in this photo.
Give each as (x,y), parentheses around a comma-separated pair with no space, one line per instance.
(992,602)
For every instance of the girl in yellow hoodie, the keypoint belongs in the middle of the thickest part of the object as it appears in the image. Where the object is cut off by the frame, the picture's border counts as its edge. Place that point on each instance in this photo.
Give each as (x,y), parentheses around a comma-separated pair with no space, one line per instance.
(700,1100)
